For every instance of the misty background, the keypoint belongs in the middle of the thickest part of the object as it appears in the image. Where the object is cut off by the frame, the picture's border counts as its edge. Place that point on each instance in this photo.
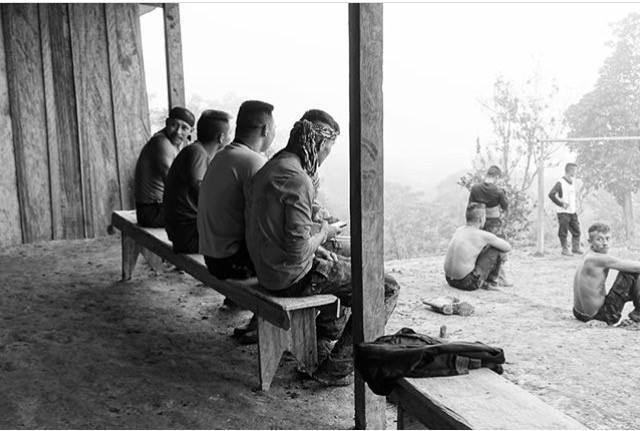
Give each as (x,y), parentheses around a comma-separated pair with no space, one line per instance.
(441,66)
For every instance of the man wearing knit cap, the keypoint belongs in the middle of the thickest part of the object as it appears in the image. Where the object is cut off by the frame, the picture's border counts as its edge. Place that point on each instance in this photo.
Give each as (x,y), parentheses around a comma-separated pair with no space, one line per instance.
(153,166)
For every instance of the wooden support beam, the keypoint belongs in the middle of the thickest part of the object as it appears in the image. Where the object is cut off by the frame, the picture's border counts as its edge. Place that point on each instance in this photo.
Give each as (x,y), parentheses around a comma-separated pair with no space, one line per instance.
(367,208)
(541,195)
(173,50)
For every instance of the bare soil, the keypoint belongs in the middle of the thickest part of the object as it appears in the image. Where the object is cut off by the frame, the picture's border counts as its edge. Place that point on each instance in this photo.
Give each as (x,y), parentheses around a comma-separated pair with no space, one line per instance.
(79,349)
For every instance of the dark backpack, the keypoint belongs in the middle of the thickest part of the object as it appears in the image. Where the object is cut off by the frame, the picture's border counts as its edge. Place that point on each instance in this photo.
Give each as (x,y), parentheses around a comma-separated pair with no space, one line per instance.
(409,354)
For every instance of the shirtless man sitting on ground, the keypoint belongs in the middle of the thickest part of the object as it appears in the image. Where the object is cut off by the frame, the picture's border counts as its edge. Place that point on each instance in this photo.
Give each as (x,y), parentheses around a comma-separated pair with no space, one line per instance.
(590,298)
(474,256)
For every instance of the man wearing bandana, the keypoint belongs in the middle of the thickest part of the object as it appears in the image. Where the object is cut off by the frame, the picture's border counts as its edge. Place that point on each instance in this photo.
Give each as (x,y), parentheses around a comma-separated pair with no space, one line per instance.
(153,166)
(287,248)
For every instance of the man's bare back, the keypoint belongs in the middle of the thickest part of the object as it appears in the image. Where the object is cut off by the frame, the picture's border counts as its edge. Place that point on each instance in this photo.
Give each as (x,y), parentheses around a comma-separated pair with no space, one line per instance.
(589,284)
(464,248)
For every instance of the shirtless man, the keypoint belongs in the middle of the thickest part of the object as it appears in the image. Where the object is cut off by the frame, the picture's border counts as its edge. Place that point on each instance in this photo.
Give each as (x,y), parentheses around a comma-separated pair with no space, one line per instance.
(590,298)
(474,256)
(153,166)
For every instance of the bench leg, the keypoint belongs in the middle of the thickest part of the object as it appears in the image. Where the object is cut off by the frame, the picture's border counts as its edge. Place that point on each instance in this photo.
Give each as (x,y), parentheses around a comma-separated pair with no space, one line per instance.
(303,338)
(408,422)
(272,342)
(154,261)
(130,252)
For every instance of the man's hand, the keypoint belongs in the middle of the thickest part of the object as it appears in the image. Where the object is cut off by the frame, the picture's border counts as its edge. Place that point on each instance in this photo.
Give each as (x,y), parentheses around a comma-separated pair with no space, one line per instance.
(323,253)
(565,205)
(332,230)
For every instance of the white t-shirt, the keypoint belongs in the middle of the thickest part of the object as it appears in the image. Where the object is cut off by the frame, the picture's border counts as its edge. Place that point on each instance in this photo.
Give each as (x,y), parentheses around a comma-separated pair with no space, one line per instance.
(568,196)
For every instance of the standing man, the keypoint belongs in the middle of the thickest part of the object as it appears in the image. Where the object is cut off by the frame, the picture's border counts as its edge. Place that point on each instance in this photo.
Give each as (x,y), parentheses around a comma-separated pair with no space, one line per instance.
(153,166)
(495,199)
(286,249)
(563,194)
(185,177)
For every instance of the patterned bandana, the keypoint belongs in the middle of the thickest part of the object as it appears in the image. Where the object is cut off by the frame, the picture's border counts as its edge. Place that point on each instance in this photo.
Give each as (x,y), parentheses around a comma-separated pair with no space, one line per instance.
(309,136)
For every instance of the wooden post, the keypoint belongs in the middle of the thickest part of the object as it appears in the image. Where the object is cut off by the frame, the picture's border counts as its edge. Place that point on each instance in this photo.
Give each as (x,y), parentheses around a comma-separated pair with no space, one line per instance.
(541,194)
(173,50)
(367,209)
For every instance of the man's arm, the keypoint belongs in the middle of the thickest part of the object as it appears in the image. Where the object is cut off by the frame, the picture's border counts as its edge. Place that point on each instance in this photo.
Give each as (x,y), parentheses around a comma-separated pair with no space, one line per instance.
(298,241)
(196,168)
(554,193)
(472,194)
(496,242)
(164,154)
(504,203)
(612,262)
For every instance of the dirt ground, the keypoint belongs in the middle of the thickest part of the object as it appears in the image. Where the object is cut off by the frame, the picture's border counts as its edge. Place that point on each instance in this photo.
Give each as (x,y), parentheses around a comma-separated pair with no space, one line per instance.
(79,349)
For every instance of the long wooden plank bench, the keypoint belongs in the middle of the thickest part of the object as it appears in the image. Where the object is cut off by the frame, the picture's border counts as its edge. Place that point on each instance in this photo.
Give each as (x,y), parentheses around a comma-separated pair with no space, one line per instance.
(481,399)
(283,323)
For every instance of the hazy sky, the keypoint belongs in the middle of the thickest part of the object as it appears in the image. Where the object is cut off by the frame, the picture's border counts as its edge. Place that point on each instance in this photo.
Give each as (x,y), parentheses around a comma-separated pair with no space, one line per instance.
(439,60)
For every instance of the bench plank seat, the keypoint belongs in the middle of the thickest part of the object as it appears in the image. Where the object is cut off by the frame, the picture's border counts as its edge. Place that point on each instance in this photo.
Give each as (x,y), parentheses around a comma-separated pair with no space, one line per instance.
(481,399)
(276,315)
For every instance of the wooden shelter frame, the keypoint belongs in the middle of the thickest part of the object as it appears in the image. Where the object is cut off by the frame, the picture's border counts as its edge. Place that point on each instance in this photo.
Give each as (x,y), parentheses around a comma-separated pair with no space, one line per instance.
(366,175)
(541,190)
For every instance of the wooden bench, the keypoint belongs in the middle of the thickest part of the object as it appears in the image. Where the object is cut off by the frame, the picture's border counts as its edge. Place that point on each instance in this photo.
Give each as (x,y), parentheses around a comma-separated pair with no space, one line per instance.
(283,323)
(481,399)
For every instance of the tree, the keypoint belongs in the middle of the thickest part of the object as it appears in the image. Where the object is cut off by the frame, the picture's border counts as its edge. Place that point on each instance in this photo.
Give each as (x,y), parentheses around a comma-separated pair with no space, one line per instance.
(612,108)
(519,118)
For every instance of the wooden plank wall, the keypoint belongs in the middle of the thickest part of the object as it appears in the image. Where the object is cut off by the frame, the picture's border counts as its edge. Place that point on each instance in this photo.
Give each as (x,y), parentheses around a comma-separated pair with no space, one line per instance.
(62,120)
(11,228)
(21,31)
(73,118)
(100,182)
(130,105)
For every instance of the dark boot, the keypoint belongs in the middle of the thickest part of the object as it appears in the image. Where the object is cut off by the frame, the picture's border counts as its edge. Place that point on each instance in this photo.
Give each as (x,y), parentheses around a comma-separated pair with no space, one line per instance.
(249,326)
(337,368)
(576,246)
(565,247)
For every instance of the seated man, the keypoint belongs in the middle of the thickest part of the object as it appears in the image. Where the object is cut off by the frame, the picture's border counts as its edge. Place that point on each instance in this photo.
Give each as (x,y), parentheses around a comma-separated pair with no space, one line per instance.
(474,257)
(286,249)
(590,298)
(153,166)
(221,224)
(185,176)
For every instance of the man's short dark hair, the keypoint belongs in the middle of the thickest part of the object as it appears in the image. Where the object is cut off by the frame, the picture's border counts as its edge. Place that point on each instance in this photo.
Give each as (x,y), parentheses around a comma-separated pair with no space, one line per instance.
(319,116)
(253,114)
(494,172)
(475,211)
(211,123)
(569,166)
(599,227)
